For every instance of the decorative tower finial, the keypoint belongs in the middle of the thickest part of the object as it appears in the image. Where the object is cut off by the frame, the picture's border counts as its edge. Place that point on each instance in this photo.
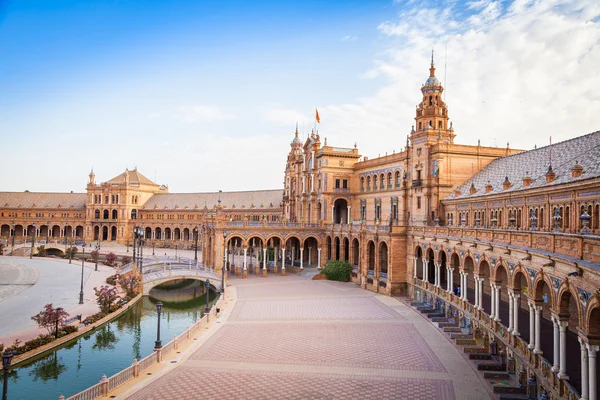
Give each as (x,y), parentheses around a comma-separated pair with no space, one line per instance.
(296,128)
(432,68)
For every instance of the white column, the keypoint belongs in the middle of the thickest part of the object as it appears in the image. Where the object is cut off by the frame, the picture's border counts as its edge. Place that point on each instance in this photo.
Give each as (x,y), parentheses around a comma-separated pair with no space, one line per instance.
(415,267)
(283,259)
(264,258)
(531,326)
(592,371)
(332,216)
(538,317)
(556,342)
(312,182)
(562,328)
(436,271)
(476,305)
(301,258)
(463,285)
(319,258)
(493,301)
(497,298)
(480,304)
(515,331)
(309,255)
(451,279)
(348,216)
(245,259)
(510,312)
(584,371)
(424,270)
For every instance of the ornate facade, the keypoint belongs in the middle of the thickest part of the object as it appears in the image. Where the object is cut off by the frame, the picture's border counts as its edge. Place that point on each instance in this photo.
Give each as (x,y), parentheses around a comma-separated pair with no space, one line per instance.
(505,241)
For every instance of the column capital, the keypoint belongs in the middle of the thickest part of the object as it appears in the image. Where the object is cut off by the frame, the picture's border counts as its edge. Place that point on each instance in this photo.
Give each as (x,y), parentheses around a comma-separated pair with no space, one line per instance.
(582,341)
(592,349)
(563,325)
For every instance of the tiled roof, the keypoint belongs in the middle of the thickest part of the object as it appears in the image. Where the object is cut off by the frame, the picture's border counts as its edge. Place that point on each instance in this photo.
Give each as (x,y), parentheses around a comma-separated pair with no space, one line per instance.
(135,177)
(229,200)
(584,150)
(42,200)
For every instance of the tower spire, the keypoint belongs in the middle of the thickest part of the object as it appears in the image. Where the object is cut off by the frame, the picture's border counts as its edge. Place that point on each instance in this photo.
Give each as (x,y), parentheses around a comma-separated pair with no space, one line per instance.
(432,69)
(296,128)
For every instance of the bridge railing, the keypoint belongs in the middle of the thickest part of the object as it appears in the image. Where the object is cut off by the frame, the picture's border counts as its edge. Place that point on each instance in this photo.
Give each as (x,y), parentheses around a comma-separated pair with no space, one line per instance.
(159,261)
(134,371)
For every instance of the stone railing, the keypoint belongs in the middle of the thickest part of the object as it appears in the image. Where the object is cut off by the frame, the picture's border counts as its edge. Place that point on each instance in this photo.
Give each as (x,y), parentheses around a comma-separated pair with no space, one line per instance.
(583,247)
(541,367)
(134,371)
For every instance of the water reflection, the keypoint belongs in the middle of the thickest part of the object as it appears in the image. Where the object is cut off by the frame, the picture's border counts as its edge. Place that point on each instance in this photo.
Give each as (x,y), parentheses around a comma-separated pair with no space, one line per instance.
(82,362)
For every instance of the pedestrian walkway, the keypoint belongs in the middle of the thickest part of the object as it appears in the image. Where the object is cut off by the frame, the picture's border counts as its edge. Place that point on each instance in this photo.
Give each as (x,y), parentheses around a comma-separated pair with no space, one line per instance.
(294,338)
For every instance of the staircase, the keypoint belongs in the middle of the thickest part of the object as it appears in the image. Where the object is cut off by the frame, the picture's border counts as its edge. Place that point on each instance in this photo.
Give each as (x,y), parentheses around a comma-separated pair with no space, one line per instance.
(504,384)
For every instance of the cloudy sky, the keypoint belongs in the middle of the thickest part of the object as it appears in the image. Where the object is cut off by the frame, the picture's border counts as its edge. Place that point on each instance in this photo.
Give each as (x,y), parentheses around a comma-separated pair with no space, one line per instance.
(205,95)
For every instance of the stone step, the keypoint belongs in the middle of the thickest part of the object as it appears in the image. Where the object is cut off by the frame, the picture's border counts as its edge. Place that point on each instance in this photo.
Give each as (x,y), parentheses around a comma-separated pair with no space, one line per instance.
(509,390)
(480,350)
(416,304)
(480,356)
(460,336)
(429,311)
(466,342)
(513,397)
(452,329)
(424,307)
(496,375)
(448,325)
(438,319)
(491,367)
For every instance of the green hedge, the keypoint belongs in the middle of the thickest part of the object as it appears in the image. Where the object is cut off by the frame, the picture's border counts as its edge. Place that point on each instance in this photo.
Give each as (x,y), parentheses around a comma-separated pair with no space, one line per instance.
(337,271)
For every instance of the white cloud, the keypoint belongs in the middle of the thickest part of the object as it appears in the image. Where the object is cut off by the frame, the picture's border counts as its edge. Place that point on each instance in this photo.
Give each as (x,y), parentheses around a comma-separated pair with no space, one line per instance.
(517,72)
(349,38)
(201,113)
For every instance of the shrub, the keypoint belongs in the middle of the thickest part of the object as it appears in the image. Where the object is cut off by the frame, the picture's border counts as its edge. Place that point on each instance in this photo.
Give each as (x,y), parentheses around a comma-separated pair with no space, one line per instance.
(72,251)
(125,260)
(67,329)
(41,251)
(130,283)
(337,271)
(112,280)
(111,258)
(93,318)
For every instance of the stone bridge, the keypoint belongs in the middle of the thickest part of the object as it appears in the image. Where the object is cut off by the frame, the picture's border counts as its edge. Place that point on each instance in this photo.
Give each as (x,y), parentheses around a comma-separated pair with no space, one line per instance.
(155,274)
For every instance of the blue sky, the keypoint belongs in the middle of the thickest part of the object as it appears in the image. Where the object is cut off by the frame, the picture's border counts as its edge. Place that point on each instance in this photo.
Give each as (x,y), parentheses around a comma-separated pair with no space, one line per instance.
(204,95)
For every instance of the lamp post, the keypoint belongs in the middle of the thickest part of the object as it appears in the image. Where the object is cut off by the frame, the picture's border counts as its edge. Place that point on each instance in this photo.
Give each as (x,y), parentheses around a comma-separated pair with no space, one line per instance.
(134,240)
(158,343)
(196,245)
(127,245)
(207,287)
(58,311)
(153,247)
(70,246)
(82,264)
(6,360)
(32,241)
(14,229)
(97,255)
(224,262)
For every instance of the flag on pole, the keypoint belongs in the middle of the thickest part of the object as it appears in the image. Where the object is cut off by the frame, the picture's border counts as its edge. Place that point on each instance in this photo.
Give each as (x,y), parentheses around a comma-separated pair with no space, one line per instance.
(317,116)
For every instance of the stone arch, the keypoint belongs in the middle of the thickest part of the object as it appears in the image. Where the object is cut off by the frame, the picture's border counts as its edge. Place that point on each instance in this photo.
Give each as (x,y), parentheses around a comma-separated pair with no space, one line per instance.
(567,300)
(346,246)
(311,236)
(417,248)
(516,282)
(336,251)
(274,236)
(592,319)
(355,253)
(371,255)
(542,279)
(485,271)
(328,248)
(430,256)
(383,257)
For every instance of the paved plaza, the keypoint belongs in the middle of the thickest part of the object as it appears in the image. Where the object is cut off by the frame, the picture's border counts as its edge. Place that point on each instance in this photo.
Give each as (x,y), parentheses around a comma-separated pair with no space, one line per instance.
(26,285)
(294,338)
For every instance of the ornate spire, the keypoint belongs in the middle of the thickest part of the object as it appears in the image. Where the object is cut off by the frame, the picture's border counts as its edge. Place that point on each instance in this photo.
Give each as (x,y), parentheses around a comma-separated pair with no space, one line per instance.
(432,68)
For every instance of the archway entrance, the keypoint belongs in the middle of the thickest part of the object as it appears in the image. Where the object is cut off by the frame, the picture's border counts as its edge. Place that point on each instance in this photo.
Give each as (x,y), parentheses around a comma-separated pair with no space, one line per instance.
(340,211)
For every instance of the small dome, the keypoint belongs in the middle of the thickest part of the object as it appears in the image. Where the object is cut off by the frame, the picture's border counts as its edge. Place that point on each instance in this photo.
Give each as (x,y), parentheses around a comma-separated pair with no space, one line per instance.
(432,81)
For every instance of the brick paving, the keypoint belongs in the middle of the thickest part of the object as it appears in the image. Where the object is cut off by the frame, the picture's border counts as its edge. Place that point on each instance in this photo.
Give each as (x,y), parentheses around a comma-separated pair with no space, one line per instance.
(292,338)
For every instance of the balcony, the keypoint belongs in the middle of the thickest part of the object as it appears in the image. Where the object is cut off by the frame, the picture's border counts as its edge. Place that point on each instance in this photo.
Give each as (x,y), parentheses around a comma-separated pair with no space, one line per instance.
(417,183)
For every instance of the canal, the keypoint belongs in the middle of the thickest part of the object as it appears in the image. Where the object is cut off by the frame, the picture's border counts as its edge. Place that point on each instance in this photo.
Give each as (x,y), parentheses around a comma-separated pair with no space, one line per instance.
(81,363)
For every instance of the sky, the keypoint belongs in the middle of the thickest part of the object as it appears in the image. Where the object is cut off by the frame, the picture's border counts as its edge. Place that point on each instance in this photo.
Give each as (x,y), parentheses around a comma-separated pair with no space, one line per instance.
(205,95)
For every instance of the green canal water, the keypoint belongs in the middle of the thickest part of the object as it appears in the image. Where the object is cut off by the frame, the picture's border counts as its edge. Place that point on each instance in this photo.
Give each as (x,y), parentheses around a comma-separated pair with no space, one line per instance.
(81,363)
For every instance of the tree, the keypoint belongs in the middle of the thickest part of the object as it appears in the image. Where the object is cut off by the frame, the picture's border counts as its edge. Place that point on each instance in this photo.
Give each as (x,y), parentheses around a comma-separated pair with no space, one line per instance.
(111,258)
(106,298)
(72,251)
(41,251)
(95,254)
(50,318)
(130,283)
(126,260)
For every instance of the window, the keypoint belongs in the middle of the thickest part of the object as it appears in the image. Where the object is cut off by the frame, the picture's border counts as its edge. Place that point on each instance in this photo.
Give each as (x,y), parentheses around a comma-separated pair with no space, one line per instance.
(363,212)
(395,211)
(378,212)
(106,199)
(345,184)
(440,124)
(337,183)
(419,175)
(418,202)
(134,214)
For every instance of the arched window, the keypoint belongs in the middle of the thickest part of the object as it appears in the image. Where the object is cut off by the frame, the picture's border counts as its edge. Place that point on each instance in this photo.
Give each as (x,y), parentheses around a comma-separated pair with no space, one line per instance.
(440,124)
(134,214)
(375,182)
(389,180)
(97,214)
(105,214)
(362,183)
(115,214)
(420,126)
(397,178)
(368,183)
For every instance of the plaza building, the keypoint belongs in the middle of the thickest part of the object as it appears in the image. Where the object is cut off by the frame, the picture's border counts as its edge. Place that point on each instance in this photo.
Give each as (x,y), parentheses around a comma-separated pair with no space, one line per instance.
(506,241)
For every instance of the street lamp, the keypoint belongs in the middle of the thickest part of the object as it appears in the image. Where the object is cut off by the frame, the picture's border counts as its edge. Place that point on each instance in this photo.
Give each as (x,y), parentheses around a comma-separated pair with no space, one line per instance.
(32,241)
(196,246)
(158,343)
(70,246)
(14,229)
(224,262)
(207,287)
(6,360)
(97,255)
(58,311)
(82,264)
(153,247)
